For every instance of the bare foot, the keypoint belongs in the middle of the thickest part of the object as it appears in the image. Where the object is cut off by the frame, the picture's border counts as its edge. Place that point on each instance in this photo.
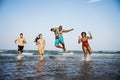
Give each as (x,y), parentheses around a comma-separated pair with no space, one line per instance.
(64,49)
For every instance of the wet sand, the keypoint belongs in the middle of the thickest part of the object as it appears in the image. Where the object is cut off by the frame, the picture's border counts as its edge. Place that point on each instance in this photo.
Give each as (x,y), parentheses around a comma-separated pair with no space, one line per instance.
(54,67)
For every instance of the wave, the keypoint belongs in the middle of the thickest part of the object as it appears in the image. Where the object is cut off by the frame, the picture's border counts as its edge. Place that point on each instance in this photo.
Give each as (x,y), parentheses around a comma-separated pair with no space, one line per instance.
(55,52)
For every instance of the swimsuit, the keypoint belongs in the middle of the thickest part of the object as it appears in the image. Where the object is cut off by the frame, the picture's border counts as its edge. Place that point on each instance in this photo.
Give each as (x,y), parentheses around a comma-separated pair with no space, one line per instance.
(58,36)
(20,48)
(85,43)
(41,43)
(59,40)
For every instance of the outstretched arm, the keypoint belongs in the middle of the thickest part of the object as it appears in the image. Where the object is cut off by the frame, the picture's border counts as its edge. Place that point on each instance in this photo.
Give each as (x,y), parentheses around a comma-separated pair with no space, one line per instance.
(68,30)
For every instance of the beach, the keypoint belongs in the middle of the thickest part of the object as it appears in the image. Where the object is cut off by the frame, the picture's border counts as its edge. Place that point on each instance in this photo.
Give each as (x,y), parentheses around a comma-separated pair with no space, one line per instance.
(102,66)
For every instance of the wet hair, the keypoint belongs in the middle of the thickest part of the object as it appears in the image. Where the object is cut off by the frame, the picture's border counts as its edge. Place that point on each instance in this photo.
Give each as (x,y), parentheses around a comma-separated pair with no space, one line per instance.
(37,38)
(83,33)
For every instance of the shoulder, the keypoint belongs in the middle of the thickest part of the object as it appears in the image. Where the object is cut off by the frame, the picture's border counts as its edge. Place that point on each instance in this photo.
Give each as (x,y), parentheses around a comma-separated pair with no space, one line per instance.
(24,38)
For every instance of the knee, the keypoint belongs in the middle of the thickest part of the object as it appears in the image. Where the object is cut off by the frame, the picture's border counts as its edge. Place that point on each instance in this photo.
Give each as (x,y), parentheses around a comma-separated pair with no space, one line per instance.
(56,45)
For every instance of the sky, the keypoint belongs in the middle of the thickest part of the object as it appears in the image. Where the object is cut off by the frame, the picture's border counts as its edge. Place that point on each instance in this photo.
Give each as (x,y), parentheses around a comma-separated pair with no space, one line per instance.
(32,17)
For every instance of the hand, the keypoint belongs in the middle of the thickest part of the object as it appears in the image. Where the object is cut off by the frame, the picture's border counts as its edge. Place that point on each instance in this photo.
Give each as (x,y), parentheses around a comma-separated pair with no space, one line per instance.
(90,33)
(72,29)
(51,29)
(78,37)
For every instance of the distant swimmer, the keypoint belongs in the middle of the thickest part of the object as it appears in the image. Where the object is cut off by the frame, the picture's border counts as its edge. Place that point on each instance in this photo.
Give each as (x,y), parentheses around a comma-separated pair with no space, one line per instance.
(59,36)
(85,45)
(40,41)
(21,41)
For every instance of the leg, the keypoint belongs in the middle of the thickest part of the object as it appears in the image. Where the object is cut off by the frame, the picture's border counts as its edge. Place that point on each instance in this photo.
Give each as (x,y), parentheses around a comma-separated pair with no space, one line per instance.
(63,45)
(57,41)
(20,50)
(58,46)
(85,52)
(19,55)
(89,50)
(40,52)
(64,49)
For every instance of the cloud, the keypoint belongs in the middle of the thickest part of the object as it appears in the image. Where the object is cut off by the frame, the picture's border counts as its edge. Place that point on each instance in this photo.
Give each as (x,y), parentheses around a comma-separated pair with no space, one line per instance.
(92,1)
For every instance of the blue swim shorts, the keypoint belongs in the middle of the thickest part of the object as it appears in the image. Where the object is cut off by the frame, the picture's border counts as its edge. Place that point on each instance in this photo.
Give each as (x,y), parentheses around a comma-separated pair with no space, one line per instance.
(59,40)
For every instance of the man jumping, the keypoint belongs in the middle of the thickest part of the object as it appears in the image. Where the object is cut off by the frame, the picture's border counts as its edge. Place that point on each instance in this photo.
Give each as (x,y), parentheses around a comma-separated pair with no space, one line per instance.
(59,37)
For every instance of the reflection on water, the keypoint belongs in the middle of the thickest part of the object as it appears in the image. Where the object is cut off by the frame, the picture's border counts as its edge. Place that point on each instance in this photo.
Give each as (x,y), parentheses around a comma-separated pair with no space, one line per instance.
(40,67)
(71,68)
(19,66)
(86,70)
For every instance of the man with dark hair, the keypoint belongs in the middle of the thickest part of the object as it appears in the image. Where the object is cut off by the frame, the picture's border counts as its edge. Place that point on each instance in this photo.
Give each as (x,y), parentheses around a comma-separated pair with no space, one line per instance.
(59,37)
(21,41)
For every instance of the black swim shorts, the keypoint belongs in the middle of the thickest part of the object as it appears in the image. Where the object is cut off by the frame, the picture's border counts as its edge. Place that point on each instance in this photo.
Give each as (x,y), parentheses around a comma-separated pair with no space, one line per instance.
(20,48)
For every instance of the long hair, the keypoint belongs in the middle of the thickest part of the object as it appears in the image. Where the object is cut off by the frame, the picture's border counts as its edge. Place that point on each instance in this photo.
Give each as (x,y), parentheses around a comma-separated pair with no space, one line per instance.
(37,38)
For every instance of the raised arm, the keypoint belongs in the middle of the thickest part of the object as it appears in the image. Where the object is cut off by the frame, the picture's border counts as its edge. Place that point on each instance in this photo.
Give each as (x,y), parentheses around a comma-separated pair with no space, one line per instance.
(79,40)
(68,30)
(90,37)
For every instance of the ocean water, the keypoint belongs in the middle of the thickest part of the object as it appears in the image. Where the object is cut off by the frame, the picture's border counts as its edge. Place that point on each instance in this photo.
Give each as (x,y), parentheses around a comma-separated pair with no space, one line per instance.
(56,65)
(58,55)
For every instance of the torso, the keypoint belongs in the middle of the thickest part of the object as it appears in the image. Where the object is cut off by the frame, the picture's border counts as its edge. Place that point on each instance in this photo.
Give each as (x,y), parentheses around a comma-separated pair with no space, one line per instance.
(21,41)
(40,42)
(85,42)
(58,33)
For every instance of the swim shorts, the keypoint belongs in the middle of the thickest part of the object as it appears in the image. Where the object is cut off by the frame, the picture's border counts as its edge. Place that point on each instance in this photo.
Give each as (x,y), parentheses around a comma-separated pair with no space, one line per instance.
(20,48)
(59,40)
